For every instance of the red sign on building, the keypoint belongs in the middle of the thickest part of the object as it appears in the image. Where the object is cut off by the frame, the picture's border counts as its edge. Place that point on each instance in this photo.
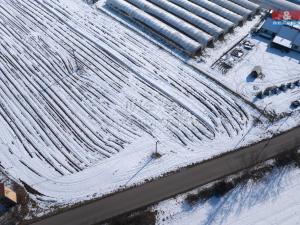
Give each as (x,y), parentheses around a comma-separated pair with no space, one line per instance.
(285,15)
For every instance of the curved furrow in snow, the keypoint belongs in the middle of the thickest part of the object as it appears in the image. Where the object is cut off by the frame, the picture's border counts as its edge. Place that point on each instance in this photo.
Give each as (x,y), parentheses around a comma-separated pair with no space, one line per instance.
(78,91)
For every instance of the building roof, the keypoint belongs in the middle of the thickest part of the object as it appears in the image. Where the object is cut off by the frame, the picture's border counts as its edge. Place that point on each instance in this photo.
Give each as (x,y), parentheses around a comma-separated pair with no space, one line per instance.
(286,36)
(270,26)
(288,32)
(297,40)
(282,41)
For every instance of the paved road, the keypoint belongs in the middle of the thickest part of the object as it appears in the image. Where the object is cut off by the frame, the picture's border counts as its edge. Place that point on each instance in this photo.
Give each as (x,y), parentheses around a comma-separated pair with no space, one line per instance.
(179,182)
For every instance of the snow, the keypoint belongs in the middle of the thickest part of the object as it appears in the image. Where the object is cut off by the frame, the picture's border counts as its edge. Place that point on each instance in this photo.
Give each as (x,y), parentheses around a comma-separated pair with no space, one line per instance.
(278,67)
(183,26)
(279,4)
(189,45)
(76,99)
(84,99)
(228,14)
(240,10)
(247,4)
(204,13)
(272,200)
(197,21)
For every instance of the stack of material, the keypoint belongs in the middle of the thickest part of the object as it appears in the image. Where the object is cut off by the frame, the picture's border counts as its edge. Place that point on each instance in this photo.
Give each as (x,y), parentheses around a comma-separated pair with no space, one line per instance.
(7,196)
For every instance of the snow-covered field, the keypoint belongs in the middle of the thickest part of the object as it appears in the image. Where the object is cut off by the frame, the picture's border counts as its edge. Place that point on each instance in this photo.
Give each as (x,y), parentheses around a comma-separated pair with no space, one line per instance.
(81,94)
(272,200)
(84,99)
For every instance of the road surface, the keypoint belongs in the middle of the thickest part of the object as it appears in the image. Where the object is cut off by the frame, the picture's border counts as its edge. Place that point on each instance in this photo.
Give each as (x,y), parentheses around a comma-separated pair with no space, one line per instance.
(179,182)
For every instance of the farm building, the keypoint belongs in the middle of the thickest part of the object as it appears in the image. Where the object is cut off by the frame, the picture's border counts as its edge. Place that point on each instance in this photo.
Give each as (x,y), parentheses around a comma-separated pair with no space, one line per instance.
(7,196)
(283,36)
(189,25)
(269,29)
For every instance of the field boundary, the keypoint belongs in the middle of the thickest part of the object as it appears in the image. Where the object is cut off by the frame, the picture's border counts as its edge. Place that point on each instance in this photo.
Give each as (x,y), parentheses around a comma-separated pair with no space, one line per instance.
(176,182)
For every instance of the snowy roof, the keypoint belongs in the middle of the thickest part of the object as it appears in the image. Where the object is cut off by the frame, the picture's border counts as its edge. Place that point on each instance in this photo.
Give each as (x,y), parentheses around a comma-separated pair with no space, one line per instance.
(282,41)
(184,14)
(183,26)
(244,12)
(280,4)
(175,36)
(220,10)
(220,21)
(247,4)
(190,25)
(286,36)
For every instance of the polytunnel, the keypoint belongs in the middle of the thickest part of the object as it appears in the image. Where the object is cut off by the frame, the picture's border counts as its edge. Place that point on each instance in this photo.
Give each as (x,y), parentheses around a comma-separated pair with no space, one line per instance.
(235,18)
(280,5)
(198,35)
(247,4)
(221,22)
(185,43)
(203,24)
(240,10)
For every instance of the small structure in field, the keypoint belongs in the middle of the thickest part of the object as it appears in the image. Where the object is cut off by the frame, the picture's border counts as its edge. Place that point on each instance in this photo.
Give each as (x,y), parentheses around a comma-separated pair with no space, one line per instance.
(257,72)
(7,196)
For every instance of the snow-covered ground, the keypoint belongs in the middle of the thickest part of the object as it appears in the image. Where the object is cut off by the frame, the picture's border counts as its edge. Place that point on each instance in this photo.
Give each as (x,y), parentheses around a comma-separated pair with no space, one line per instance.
(84,99)
(278,68)
(273,200)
